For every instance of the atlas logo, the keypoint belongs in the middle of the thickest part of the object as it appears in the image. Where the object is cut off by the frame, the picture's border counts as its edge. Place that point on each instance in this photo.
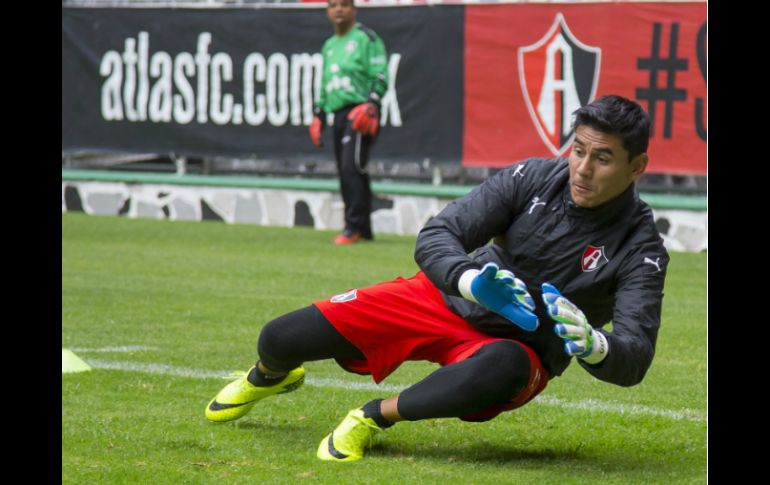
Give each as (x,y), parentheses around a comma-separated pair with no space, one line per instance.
(558,74)
(343,297)
(593,258)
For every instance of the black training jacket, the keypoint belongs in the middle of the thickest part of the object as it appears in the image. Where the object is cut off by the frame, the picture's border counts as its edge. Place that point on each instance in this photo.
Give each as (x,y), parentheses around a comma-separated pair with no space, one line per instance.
(610,261)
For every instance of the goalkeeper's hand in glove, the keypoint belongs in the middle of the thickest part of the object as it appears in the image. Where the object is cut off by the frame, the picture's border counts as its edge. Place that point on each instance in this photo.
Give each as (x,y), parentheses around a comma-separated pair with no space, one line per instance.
(365,118)
(581,339)
(317,127)
(499,291)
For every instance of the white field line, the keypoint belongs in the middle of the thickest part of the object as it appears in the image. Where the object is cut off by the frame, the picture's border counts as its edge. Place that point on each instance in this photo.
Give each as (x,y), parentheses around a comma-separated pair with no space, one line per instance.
(122,348)
(587,405)
(597,406)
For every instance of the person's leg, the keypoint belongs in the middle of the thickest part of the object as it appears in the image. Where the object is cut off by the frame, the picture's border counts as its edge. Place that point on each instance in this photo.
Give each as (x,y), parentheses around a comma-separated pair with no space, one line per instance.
(493,375)
(354,181)
(284,344)
(300,336)
(340,130)
(407,319)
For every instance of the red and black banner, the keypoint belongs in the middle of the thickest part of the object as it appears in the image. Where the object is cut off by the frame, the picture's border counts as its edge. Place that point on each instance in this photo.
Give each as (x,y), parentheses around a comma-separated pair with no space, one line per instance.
(529,66)
(485,85)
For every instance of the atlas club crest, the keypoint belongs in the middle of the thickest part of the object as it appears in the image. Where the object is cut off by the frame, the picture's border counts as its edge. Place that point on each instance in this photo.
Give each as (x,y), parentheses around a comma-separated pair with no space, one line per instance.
(349,295)
(558,74)
(593,258)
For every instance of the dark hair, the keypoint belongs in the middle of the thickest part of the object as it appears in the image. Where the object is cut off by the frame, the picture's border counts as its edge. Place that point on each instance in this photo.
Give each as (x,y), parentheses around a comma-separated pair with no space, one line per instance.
(618,116)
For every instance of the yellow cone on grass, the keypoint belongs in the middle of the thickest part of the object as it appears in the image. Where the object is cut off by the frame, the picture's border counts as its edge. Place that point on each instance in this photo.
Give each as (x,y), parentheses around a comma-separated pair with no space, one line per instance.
(72,363)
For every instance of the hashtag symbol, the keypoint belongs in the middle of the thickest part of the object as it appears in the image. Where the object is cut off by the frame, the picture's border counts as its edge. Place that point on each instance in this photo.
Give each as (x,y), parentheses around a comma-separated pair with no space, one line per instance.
(670,93)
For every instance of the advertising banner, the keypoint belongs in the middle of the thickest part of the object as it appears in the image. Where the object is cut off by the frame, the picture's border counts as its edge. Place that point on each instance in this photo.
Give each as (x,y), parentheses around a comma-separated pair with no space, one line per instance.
(529,66)
(482,85)
(242,82)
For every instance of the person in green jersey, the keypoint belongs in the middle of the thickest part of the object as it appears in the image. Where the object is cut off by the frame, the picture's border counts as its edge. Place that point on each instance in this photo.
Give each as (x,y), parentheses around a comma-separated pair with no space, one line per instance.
(353,82)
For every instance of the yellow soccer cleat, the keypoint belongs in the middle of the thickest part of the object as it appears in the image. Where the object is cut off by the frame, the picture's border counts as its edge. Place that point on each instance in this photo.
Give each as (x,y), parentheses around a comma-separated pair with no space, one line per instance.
(349,441)
(238,397)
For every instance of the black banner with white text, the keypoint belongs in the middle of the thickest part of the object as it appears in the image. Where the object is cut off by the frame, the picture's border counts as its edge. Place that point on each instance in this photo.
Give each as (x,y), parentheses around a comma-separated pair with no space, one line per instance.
(241,82)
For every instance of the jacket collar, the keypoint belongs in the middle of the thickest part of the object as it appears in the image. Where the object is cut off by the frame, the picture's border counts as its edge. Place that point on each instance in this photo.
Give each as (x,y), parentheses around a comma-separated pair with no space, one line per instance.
(605,212)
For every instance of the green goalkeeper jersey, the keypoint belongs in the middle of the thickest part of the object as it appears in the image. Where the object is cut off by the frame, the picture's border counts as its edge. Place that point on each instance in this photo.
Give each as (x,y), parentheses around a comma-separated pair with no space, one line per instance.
(354,67)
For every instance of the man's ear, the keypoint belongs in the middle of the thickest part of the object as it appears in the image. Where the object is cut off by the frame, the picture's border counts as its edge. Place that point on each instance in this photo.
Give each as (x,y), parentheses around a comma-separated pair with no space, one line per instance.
(638,166)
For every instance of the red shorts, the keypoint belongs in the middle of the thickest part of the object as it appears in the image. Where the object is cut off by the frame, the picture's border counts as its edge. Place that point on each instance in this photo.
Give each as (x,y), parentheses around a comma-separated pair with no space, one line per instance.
(407,319)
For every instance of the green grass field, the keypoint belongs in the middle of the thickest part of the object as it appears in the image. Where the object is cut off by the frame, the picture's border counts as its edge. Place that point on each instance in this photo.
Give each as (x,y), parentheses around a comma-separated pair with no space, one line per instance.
(163,310)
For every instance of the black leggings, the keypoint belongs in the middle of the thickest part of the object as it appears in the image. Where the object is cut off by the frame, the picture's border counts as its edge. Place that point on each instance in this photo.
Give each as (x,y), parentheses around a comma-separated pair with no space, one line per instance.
(302,335)
(355,186)
(495,374)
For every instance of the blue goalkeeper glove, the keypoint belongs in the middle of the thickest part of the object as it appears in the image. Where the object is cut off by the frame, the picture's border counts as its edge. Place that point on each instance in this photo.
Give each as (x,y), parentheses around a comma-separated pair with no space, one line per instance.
(499,291)
(580,338)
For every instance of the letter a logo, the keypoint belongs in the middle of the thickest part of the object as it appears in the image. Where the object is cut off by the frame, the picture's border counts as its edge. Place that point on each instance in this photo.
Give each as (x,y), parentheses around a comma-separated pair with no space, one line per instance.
(593,258)
(558,74)
(349,295)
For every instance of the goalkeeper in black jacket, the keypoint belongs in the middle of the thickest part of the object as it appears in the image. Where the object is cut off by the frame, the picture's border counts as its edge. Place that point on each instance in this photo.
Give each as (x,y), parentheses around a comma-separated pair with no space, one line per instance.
(517,278)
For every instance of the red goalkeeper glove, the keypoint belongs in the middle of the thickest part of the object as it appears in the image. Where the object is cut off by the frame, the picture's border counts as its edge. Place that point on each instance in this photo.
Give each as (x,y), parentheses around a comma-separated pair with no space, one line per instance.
(365,118)
(317,127)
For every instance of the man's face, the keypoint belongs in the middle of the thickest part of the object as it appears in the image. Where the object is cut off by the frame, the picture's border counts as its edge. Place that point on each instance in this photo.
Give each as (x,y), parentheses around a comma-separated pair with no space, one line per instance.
(599,168)
(341,12)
